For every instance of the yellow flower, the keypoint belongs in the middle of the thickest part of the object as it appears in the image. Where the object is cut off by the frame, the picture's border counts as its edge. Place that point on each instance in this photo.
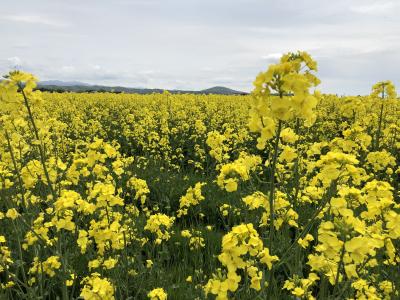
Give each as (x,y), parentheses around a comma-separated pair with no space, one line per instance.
(149,263)
(70,281)
(288,154)
(281,108)
(110,263)
(159,224)
(231,173)
(231,185)
(267,259)
(96,288)
(289,136)
(141,189)
(393,224)
(383,89)
(192,197)
(48,266)
(299,292)
(305,242)
(12,213)
(157,294)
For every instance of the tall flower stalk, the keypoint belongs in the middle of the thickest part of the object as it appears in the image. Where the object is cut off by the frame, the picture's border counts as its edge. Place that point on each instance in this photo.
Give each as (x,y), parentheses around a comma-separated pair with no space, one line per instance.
(383,90)
(281,94)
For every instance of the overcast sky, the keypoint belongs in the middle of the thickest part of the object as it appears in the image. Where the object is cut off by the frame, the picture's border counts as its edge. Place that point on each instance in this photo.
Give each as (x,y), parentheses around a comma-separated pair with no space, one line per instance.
(196,44)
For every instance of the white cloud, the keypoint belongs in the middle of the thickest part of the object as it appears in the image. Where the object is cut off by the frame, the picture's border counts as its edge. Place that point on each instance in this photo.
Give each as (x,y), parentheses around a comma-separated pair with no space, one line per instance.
(272,56)
(207,69)
(148,72)
(14,60)
(381,7)
(34,19)
(68,69)
(223,80)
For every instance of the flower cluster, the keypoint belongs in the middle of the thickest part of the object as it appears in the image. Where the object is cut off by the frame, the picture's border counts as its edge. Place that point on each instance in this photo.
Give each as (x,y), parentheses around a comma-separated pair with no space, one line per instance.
(159,224)
(282,93)
(242,241)
(196,241)
(157,294)
(239,170)
(192,197)
(95,287)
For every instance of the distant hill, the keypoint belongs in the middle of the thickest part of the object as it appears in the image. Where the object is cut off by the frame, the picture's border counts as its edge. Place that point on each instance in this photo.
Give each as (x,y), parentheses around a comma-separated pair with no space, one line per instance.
(221,90)
(80,87)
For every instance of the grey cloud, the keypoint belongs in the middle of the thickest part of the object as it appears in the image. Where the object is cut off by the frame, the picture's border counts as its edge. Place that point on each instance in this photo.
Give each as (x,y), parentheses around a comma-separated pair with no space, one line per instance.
(195,44)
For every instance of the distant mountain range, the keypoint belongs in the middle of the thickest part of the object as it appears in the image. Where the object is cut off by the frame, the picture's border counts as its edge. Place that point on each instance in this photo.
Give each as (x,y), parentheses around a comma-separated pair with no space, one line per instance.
(81,87)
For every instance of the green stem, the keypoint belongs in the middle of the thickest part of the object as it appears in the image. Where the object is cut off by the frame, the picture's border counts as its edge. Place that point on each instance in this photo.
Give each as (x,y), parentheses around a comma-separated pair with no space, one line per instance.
(41,150)
(21,186)
(378,132)
(271,204)
(64,290)
(20,256)
(296,172)
(272,190)
(340,265)
(309,225)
